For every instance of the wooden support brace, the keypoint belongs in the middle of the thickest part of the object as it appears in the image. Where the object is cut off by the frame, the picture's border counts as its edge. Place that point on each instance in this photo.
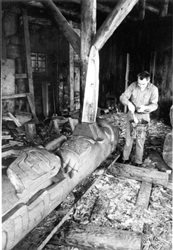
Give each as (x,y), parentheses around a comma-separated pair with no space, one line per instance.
(67,30)
(113,20)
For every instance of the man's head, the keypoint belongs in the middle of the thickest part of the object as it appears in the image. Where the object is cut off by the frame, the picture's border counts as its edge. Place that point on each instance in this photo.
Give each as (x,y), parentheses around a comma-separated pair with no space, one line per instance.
(143,79)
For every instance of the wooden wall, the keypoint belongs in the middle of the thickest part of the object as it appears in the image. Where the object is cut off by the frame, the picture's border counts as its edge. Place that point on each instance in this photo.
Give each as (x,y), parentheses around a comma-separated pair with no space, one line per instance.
(44,38)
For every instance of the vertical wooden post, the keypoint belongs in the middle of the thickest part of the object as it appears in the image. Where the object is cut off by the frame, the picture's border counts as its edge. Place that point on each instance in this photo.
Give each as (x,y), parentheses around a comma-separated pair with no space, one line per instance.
(153,65)
(71,76)
(127,76)
(28,60)
(88,30)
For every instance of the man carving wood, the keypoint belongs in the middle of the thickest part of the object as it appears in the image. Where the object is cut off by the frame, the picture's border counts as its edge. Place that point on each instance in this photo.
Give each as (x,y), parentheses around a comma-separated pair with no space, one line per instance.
(141,97)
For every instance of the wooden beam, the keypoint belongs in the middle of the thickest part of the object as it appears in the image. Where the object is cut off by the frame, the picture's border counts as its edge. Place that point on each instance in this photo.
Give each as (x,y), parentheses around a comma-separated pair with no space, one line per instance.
(143,200)
(28,60)
(113,20)
(88,30)
(96,237)
(63,24)
(14,96)
(71,76)
(139,174)
(92,88)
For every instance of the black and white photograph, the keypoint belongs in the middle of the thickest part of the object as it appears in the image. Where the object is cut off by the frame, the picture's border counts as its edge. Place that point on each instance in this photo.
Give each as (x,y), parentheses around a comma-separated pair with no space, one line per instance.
(86,124)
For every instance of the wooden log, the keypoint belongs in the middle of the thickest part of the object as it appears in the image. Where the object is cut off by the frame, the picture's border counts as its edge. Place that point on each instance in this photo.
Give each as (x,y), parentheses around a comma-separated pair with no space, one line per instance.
(88,30)
(139,174)
(90,104)
(67,30)
(86,153)
(113,20)
(95,237)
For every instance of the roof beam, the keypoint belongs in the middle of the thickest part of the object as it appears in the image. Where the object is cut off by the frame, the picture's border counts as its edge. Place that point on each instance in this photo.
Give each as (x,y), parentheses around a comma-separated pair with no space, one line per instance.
(112,22)
(63,24)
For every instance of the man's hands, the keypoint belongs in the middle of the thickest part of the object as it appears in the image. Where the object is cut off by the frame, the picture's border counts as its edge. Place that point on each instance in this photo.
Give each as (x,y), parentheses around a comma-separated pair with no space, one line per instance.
(131,107)
(143,109)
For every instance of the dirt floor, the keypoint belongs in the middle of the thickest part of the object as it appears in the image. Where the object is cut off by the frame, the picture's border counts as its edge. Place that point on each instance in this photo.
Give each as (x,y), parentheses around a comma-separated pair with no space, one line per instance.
(112,202)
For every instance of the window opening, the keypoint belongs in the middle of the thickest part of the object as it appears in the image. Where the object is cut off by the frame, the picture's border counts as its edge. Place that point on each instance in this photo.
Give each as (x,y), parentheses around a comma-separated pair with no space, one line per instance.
(38,61)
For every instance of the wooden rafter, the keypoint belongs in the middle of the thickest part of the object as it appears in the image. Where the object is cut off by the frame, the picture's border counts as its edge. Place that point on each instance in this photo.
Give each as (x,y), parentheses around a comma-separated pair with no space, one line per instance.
(113,20)
(63,24)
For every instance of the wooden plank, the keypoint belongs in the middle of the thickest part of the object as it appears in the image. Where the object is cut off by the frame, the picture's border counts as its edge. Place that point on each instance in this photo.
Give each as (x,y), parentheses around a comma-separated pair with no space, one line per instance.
(92,88)
(95,237)
(10,152)
(113,20)
(63,24)
(14,96)
(28,61)
(32,106)
(143,200)
(88,30)
(139,174)
(144,195)
(16,121)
